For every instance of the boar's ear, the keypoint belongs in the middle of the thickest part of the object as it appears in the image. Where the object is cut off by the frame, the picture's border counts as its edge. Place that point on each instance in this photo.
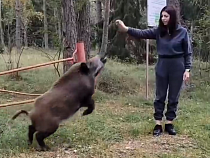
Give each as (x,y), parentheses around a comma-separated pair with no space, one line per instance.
(84,68)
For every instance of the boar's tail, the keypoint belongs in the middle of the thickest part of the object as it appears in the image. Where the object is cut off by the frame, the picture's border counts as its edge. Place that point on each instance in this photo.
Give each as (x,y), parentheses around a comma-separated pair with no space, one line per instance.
(18,113)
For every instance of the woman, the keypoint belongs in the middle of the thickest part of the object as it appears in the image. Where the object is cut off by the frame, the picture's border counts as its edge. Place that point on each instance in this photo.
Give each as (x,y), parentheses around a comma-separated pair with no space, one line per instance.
(173,66)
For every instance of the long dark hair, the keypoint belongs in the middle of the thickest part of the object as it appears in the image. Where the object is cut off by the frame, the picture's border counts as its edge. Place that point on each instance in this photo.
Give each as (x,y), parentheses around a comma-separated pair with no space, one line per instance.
(172,24)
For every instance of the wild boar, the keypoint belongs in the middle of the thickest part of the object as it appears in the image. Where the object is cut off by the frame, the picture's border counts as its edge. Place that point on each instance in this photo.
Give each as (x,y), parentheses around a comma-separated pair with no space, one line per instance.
(67,95)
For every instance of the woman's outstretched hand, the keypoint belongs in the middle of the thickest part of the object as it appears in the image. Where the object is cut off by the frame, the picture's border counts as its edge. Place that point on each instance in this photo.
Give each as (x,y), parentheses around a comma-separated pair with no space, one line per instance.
(121,26)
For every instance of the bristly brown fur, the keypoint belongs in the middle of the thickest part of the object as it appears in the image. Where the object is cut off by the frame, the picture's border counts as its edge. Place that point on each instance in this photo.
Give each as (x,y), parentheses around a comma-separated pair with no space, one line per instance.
(67,74)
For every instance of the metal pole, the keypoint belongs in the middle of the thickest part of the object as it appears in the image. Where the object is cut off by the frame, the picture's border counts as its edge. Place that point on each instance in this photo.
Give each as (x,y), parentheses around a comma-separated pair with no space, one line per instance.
(147,70)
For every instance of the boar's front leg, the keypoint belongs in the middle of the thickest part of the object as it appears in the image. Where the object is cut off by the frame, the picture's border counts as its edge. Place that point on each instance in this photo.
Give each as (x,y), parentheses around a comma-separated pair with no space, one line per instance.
(90,104)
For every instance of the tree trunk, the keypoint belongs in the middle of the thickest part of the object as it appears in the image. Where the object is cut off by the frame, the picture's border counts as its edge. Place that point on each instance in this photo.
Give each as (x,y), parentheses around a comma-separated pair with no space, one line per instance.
(83,26)
(58,16)
(59,30)
(18,27)
(70,32)
(45,25)
(59,23)
(25,35)
(99,10)
(10,63)
(55,12)
(105,29)
(18,37)
(1,29)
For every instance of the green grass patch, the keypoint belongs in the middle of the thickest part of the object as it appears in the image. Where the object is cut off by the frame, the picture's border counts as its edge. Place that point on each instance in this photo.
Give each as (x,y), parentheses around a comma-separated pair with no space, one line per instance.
(120,126)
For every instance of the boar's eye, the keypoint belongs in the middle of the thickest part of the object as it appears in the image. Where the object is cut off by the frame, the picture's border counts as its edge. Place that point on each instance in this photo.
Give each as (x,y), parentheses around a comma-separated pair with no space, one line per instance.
(84,68)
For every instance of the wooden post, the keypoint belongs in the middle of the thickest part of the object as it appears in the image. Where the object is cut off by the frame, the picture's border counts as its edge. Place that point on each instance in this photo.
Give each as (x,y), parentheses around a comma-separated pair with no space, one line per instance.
(81,52)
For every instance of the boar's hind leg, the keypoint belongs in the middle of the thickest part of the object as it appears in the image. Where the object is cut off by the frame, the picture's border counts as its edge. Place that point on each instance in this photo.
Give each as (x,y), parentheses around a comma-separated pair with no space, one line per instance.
(31,131)
(90,104)
(40,136)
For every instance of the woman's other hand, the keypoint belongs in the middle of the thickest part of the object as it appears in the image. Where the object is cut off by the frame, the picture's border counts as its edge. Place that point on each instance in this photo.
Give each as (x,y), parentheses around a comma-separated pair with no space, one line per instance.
(186,76)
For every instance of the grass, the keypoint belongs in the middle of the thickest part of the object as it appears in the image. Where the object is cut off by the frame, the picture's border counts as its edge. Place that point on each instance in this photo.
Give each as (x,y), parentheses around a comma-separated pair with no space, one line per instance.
(121,124)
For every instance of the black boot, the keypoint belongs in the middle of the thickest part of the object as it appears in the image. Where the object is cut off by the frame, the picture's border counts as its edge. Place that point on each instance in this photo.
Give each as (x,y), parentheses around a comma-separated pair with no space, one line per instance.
(170,129)
(157,130)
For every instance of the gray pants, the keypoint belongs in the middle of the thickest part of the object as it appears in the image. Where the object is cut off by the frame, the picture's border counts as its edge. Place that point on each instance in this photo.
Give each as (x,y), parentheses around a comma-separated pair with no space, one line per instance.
(169,76)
